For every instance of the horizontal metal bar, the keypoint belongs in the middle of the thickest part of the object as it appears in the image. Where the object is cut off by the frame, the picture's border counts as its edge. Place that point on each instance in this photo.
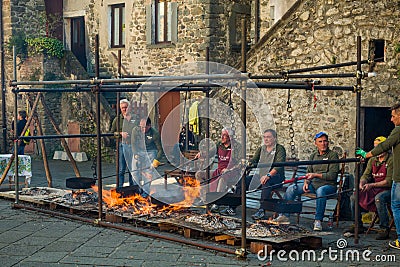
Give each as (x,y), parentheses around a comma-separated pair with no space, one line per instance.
(97,81)
(299,86)
(304,163)
(55,136)
(305,76)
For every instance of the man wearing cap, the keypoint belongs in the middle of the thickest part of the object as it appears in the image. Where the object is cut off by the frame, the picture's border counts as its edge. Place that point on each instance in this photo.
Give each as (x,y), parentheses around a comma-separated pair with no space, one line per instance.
(391,143)
(374,190)
(320,179)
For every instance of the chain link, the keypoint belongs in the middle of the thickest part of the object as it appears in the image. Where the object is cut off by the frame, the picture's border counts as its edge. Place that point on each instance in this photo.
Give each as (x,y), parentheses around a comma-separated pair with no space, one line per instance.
(231,112)
(291,130)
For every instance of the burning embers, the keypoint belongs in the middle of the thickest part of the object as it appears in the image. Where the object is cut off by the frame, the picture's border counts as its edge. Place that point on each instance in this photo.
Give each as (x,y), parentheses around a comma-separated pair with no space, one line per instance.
(213,222)
(266,229)
(77,197)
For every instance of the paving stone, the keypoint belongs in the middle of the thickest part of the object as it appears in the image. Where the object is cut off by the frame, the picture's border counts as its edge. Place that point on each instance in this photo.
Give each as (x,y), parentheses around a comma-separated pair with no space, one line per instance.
(13,236)
(90,251)
(101,261)
(40,264)
(7,224)
(43,256)
(36,240)
(7,261)
(15,249)
(62,246)
(139,246)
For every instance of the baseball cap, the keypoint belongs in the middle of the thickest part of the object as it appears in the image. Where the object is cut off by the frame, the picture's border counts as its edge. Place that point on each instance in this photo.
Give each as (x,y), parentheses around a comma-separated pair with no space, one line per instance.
(380,139)
(318,135)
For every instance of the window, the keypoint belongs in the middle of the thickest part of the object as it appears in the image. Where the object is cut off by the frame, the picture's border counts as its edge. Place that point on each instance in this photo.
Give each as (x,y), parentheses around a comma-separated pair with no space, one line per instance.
(161,26)
(272,15)
(377,50)
(118,25)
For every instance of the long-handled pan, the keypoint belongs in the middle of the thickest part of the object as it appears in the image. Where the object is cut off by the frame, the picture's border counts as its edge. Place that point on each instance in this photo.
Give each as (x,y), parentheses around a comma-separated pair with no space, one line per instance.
(80,182)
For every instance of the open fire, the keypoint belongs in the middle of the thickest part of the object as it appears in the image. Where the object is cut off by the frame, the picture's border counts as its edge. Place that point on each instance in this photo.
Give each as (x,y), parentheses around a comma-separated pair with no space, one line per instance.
(138,205)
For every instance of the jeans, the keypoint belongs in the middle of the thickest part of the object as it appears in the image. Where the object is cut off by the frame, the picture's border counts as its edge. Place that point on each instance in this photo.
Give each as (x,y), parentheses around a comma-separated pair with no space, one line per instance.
(382,199)
(295,190)
(396,206)
(143,170)
(21,150)
(267,187)
(125,157)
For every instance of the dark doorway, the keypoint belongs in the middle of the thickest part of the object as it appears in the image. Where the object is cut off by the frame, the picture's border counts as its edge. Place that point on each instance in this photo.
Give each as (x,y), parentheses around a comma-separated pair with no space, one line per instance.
(374,122)
(78,40)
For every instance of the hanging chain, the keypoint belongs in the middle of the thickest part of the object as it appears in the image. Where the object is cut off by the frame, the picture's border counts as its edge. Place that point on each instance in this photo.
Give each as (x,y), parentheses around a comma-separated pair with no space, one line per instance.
(231,112)
(291,130)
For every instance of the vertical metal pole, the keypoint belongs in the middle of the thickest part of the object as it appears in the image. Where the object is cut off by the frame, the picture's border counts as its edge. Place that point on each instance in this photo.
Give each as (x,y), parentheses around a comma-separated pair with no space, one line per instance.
(243,117)
(358,129)
(118,139)
(256,21)
(98,132)
(3,84)
(16,145)
(207,118)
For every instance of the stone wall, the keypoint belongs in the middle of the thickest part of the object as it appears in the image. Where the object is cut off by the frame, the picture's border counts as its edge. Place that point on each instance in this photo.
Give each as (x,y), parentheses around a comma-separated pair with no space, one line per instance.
(321,33)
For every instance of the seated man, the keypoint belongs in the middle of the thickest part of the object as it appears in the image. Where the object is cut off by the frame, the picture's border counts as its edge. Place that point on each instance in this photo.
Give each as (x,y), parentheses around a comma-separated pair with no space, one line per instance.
(320,179)
(270,152)
(226,175)
(374,195)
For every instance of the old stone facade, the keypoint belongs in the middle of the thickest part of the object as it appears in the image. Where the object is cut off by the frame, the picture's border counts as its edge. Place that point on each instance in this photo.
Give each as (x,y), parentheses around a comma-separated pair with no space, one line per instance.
(319,33)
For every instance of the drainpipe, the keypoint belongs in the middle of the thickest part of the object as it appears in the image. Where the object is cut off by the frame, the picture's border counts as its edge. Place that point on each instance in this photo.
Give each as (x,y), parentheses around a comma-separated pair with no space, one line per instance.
(3,83)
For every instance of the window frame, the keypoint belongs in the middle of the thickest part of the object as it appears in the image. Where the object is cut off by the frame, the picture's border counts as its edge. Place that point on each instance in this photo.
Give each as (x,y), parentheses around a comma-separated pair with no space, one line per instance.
(120,43)
(172,27)
(166,25)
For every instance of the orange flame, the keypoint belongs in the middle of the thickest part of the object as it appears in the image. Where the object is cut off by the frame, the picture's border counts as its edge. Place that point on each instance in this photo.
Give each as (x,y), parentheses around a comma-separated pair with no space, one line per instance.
(141,205)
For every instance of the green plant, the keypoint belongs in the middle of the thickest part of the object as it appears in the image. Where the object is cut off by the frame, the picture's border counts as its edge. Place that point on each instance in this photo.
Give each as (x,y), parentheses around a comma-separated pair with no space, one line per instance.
(45,45)
(18,40)
(397,48)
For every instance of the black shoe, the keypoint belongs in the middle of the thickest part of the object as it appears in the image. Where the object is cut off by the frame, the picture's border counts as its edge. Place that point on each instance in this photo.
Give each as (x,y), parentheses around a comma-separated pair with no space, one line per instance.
(258,215)
(228,212)
(383,235)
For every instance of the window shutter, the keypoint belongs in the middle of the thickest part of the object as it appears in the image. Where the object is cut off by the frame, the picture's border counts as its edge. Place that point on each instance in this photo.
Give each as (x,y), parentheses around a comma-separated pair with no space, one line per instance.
(150,24)
(174,22)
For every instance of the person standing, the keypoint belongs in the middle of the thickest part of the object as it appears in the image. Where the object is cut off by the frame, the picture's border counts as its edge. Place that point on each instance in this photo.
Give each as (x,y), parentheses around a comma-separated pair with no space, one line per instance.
(270,152)
(125,149)
(391,143)
(147,151)
(21,122)
(320,179)
(374,191)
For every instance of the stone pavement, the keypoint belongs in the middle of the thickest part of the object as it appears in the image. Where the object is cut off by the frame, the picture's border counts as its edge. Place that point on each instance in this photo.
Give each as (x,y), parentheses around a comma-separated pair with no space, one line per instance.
(29,238)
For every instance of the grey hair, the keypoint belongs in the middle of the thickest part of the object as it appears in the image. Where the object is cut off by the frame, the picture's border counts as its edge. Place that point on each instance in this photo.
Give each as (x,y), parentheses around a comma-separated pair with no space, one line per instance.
(122,101)
(230,131)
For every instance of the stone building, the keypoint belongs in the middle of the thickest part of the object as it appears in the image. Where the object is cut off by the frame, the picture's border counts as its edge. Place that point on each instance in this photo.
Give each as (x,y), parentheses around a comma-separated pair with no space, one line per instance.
(153,36)
(318,33)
